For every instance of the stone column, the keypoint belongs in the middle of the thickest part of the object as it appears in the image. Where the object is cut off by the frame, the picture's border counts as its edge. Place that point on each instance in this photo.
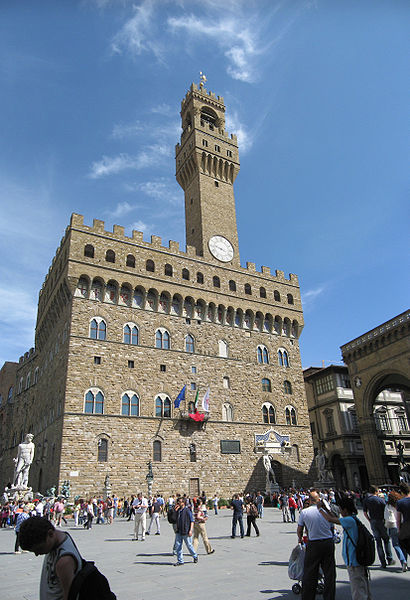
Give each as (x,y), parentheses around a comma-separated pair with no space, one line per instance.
(371,449)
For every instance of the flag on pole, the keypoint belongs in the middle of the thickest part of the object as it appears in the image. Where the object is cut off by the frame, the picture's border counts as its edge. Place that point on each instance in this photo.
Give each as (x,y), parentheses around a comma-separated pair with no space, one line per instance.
(205,400)
(196,400)
(180,397)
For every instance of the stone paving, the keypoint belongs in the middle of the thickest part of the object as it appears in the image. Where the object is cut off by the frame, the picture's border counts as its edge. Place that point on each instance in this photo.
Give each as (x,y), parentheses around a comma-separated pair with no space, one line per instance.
(246,569)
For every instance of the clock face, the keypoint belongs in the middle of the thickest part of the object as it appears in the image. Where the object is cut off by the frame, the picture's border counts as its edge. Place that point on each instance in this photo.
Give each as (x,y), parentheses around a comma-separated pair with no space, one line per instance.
(221,248)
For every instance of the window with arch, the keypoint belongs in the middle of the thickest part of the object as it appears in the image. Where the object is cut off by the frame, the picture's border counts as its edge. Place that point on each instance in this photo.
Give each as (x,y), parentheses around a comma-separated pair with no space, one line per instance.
(89,251)
(98,329)
(227,412)
(222,349)
(131,334)
(189,344)
(130,261)
(263,355)
(110,256)
(295,452)
(232,285)
(156,451)
(20,386)
(226,382)
(216,281)
(192,452)
(287,387)
(199,277)
(162,406)
(290,416)
(283,358)
(276,296)
(290,298)
(330,424)
(401,419)
(102,450)
(268,413)
(248,289)
(168,270)
(162,339)
(130,404)
(382,419)
(150,266)
(262,292)
(36,375)
(185,274)
(266,385)
(94,402)
(82,288)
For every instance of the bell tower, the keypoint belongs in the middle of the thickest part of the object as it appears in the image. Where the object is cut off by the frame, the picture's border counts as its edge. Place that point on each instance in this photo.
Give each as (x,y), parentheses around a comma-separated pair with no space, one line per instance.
(207,163)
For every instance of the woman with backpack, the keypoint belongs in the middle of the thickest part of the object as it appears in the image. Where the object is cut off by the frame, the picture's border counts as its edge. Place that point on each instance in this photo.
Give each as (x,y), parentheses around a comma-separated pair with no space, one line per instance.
(251,516)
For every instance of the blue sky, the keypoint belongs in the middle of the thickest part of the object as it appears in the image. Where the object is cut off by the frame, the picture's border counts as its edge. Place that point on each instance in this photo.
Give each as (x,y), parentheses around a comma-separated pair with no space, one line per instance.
(316,91)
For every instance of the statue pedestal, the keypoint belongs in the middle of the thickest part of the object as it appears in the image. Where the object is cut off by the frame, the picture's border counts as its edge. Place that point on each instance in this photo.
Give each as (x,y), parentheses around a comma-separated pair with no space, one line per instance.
(19,492)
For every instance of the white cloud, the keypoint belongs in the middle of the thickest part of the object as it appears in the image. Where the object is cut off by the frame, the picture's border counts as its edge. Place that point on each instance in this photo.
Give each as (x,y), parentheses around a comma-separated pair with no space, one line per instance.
(112,165)
(139,226)
(234,125)
(121,131)
(122,208)
(309,298)
(163,109)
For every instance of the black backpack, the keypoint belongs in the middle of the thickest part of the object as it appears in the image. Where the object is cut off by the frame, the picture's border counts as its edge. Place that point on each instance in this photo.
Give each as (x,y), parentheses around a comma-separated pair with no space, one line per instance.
(365,549)
(90,584)
(172,516)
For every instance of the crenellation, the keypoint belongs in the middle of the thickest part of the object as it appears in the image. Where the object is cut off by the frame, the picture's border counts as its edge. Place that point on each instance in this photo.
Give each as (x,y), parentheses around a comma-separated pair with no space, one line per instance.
(250,266)
(99,226)
(118,231)
(174,246)
(76,220)
(137,236)
(156,241)
(266,270)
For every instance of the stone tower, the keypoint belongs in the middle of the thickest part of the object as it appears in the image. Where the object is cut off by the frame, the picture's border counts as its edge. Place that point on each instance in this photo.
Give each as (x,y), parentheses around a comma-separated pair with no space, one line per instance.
(207,164)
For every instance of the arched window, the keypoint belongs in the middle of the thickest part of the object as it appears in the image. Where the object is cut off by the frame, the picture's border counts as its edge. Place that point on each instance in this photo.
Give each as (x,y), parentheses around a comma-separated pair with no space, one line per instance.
(199,277)
(232,286)
(287,387)
(82,288)
(192,452)
(130,262)
(162,406)
(227,412)
(102,447)
(276,296)
(28,380)
(89,251)
(189,344)
(222,349)
(290,416)
(98,329)
(185,274)
(401,419)
(263,355)
(10,394)
(94,402)
(110,256)
(382,419)
(295,452)
(130,404)
(226,382)
(283,358)
(262,292)
(36,374)
(168,270)
(157,451)
(162,339)
(150,266)
(131,334)
(248,289)
(266,385)
(216,281)
(268,413)
(290,298)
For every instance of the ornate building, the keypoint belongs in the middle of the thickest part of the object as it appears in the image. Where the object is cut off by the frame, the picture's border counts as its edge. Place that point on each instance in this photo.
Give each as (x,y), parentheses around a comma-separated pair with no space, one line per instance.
(123,324)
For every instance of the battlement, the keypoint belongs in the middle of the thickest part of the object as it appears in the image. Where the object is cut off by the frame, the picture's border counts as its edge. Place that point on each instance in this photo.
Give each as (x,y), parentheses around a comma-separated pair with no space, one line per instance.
(194,90)
(118,234)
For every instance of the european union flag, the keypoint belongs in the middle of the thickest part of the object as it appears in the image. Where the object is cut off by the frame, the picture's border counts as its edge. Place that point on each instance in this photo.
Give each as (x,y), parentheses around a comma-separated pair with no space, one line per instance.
(180,397)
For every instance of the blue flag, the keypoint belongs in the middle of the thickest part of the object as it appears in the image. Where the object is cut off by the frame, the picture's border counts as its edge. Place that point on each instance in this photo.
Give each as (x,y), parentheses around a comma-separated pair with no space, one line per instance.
(180,397)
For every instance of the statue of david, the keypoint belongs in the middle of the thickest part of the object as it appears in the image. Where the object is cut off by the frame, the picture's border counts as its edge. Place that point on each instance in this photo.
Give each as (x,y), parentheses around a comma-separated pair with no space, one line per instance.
(23,461)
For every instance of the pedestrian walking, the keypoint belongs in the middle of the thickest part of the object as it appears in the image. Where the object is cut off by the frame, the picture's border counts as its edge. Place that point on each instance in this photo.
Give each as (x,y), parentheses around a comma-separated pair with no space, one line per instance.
(237,515)
(200,528)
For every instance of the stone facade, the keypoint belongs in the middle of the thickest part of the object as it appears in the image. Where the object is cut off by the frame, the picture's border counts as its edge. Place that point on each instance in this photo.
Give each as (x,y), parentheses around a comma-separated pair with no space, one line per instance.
(379,360)
(121,318)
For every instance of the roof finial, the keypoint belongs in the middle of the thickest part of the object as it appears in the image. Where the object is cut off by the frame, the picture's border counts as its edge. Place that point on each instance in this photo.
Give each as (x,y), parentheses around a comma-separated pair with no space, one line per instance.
(202,79)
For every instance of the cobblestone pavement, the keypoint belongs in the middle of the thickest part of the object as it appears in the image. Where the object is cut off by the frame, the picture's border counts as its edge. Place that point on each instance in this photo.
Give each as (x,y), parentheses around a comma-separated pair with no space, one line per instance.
(249,569)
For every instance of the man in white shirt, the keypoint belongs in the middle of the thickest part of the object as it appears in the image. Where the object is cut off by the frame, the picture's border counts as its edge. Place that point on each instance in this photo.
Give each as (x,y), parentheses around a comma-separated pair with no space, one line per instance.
(140,506)
(320,550)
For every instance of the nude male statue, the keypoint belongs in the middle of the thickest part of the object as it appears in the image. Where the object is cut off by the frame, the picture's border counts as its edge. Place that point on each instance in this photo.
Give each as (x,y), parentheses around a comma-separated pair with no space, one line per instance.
(270,473)
(23,461)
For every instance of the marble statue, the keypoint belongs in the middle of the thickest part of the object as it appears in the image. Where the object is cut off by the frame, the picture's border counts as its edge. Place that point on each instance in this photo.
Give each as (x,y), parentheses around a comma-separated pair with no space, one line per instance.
(23,461)
(270,473)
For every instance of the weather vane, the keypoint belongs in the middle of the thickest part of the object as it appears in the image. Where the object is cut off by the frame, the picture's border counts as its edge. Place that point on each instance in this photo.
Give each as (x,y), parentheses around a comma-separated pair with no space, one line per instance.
(202,79)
